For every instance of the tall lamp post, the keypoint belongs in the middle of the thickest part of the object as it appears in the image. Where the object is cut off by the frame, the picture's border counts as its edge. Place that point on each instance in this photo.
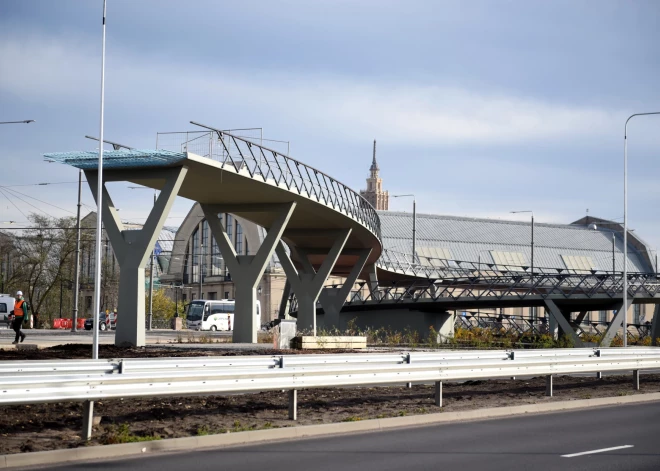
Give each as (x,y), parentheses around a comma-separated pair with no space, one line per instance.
(532,242)
(625,222)
(414,254)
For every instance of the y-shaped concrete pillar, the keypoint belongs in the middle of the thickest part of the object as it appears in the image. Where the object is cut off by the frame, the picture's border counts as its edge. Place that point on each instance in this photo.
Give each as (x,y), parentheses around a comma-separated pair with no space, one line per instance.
(247,270)
(655,325)
(559,317)
(308,284)
(616,323)
(373,282)
(332,299)
(132,248)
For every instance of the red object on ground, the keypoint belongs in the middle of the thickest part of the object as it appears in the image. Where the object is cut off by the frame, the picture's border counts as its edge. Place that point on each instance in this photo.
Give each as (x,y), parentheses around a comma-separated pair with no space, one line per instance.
(81,324)
(57,323)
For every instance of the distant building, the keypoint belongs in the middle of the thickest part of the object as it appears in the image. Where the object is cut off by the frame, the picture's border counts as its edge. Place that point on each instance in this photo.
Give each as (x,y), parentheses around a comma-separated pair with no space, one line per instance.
(374,193)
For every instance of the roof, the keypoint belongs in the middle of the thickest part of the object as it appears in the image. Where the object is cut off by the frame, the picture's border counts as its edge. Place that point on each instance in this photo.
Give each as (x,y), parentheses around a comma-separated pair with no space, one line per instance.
(468,239)
(124,158)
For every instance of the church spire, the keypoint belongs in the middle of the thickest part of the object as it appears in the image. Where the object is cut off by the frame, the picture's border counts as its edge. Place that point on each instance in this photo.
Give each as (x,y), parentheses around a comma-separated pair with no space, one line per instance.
(374,164)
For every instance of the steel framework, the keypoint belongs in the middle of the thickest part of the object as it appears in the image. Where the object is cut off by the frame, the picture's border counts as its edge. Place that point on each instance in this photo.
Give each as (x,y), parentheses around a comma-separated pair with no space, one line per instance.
(267,164)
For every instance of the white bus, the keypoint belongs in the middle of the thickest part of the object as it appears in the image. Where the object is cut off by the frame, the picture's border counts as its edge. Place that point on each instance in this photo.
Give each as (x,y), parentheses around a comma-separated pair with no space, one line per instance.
(214,315)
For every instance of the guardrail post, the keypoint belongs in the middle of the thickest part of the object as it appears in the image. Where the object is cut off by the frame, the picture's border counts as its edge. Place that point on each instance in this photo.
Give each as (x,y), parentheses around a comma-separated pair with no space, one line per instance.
(438,393)
(88,419)
(408,360)
(548,385)
(599,375)
(513,357)
(636,380)
(293,404)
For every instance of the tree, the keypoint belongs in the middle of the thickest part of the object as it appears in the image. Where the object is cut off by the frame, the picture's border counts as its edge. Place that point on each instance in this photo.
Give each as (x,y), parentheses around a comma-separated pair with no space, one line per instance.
(163,306)
(43,259)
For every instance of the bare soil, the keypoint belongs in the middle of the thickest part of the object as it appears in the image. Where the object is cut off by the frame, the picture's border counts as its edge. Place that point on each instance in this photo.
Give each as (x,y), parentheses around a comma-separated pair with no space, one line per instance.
(52,426)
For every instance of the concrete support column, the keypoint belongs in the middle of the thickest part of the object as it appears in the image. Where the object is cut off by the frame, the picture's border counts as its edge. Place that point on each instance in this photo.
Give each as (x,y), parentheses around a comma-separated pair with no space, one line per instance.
(308,285)
(284,302)
(616,323)
(554,312)
(655,326)
(373,282)
(332,299)
(133,248)
(247,270)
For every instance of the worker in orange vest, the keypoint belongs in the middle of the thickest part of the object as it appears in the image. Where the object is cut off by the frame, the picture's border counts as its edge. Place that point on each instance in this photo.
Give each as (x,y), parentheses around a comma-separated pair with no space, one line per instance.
(20,315)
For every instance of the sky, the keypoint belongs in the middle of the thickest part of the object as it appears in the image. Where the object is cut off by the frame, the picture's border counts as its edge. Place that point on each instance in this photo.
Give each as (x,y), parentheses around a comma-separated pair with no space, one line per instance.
(479,107)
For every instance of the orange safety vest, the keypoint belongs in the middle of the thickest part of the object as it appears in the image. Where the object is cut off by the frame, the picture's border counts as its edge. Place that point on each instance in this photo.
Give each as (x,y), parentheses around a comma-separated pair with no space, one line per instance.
(18,308)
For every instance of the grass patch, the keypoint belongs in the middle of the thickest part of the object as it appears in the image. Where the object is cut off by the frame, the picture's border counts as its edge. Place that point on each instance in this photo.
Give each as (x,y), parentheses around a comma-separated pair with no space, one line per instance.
(122,434)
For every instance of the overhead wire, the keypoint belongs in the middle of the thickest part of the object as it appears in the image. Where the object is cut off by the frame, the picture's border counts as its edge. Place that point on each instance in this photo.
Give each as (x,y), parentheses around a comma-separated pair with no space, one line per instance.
(8,199)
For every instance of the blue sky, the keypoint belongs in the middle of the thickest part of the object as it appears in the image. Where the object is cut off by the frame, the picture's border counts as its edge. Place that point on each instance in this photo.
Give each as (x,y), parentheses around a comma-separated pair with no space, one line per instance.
(479,107)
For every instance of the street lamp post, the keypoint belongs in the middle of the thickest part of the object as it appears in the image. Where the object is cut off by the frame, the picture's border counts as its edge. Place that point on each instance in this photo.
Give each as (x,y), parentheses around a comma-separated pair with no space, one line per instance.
(532,242)
(414,228)
(625,222)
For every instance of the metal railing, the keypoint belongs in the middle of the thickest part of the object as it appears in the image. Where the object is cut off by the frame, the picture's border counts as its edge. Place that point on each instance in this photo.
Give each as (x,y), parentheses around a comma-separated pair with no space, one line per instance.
(245,156)
(429,267)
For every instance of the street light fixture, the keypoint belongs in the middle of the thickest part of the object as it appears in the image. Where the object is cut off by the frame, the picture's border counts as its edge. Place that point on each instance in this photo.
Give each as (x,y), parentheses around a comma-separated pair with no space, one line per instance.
(414,254)
(25,121)
(532,242)
(625,222)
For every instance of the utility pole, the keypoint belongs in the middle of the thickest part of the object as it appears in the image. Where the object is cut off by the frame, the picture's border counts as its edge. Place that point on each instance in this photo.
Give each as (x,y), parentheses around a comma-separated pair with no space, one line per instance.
(151,280)
(201,269)
(76,285)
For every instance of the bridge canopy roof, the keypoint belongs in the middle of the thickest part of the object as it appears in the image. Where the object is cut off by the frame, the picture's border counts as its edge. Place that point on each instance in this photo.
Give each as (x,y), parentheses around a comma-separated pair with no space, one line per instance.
(124,158)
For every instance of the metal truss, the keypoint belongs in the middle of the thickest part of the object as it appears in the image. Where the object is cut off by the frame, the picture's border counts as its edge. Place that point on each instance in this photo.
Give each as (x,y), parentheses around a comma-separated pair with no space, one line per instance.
(509,324)
(261,163)
(504,289)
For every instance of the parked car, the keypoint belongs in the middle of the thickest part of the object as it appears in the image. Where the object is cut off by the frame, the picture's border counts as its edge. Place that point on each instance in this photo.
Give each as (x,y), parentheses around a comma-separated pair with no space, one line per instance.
(105,321)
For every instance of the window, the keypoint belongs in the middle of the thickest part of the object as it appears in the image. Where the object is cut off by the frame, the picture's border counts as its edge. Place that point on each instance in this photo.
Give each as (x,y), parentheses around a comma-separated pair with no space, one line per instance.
(239,239)
(579,263)
(212,295)
(216,259)
(435,257)
(226,295)
(3,307)
(534,313)
(229,227)
(602,317)
(637,313)
(514,260)
(217,308)
(194,248)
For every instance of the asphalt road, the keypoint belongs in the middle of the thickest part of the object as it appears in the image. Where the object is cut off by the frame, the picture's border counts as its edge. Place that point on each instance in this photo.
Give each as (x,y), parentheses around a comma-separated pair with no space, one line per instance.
(536,442)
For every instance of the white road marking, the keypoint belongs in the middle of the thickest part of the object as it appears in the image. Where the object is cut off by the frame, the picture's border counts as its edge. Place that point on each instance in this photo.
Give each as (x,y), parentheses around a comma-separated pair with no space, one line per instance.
(602,450)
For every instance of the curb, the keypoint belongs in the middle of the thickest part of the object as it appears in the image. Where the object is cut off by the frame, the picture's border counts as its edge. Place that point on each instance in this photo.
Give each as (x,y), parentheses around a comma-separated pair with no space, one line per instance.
(307,431)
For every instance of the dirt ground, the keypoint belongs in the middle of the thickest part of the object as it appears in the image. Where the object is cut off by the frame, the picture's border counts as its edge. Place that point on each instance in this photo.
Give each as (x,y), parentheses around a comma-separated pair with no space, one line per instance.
(52,426)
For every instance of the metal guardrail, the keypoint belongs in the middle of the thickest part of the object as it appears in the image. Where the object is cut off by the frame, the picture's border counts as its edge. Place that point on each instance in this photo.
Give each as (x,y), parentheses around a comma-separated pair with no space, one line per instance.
(25,368)
(263,163)
(75,380)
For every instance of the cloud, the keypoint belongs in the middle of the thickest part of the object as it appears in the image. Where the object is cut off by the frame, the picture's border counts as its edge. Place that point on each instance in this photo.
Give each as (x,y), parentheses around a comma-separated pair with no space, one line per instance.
(66,71)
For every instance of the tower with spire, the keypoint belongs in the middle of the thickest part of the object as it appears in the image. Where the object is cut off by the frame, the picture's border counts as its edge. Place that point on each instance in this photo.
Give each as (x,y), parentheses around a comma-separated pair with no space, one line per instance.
(374,193)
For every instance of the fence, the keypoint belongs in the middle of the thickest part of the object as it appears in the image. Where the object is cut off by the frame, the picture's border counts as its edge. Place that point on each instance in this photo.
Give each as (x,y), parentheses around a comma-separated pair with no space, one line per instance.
(91,380)
(261,163)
